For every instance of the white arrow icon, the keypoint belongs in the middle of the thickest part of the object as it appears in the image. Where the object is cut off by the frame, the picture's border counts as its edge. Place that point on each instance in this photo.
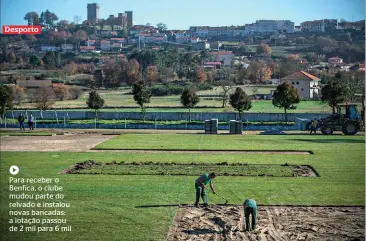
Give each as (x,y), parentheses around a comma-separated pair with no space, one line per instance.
(14,170)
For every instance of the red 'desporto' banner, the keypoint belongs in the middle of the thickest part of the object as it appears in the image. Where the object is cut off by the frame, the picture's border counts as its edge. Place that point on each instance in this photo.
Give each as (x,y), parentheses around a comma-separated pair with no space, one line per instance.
(21,29)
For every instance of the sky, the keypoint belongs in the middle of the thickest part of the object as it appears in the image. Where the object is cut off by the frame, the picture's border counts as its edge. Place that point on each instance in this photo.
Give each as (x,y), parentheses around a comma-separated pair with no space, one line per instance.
(185,13)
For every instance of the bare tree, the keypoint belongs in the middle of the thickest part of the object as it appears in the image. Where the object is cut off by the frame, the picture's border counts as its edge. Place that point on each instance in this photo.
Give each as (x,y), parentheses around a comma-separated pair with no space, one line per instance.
(75,92)
(80,35)
(18,93)
(226,83)
(61,92)
(44,97)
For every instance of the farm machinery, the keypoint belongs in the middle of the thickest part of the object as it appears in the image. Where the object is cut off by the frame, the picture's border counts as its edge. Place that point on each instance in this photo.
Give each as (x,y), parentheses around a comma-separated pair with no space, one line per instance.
(346,119)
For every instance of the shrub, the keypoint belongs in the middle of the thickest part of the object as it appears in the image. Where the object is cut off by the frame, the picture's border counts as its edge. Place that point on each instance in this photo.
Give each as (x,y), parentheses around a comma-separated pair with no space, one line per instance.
(165,90)
(177,89)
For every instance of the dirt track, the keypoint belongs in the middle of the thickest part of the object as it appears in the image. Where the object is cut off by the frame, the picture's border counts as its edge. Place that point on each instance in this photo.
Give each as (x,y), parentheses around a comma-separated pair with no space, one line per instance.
(78,142)
(273,223)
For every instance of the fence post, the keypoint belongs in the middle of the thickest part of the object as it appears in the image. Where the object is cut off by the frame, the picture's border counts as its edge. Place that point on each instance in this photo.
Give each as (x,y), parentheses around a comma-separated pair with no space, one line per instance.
(35,123)
(125,124)
(155,123)
(64,122)
(186,124)
(95,123)
(5,122)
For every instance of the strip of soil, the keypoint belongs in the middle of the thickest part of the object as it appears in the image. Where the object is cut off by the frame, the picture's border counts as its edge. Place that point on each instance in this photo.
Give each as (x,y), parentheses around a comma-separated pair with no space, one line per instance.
(190,169)
(273,223)
(291,152)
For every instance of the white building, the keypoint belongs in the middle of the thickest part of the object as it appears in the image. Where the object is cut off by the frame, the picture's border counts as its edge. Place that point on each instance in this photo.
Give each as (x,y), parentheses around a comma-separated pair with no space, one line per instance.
(320,25)
(46,48)
(335,60)
(201,45)
(181,36)
(67,47)
(229,31)
(202,31)
(116,46)
(85,49)
(117,40)
(195,40)
(225,57)
(277,36)
(307,84)
(90,42)
(271,26)
(239,31)
(105,45)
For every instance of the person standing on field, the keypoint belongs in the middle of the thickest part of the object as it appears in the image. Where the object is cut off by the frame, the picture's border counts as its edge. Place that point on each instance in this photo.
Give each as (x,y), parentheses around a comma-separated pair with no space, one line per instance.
(314,125)
(200,185)
(30,122)
(250,208)
(21,121)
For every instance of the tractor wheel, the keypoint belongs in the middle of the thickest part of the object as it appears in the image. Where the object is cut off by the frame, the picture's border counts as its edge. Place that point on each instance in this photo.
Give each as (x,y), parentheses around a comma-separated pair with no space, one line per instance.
(349,128)
(327,130)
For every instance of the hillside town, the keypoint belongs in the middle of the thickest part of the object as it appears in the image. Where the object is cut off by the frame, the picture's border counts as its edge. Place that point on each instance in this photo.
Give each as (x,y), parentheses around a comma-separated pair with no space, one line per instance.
(185,120)
(102,53)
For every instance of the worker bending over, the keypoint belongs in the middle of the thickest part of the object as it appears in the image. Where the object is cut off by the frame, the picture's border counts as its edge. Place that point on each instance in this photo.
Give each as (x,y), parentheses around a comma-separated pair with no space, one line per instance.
(250,208)
(200,185)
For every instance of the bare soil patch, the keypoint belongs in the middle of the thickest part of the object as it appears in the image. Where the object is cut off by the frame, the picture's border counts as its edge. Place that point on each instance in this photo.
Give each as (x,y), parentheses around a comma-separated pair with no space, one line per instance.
(78,142)
(290,152)
(273,223)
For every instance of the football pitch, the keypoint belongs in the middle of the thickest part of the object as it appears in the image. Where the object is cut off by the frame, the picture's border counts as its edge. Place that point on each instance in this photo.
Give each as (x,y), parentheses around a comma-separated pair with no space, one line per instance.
(142,204)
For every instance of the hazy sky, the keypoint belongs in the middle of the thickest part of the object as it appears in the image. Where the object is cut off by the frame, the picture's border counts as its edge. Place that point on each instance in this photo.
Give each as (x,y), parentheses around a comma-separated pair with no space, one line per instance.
(184,13)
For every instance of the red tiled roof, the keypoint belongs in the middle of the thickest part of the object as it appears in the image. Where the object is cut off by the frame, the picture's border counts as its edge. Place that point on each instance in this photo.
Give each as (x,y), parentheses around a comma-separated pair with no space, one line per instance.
(87,47)
(145,34)
(91,40)
(223,53)
(104,41)
(117,39)
(58,85)
(301,75)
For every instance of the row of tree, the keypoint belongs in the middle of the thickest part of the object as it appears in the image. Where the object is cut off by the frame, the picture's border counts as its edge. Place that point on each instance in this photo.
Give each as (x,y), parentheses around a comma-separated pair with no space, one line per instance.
(43,97)
(286,96)
(45,19)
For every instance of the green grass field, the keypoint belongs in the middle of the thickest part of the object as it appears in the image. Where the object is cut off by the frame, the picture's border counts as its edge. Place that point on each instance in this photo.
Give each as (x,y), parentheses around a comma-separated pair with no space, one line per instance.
(120,98)
(104,207)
